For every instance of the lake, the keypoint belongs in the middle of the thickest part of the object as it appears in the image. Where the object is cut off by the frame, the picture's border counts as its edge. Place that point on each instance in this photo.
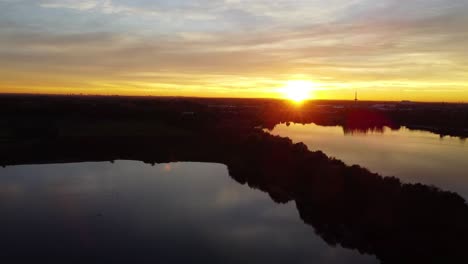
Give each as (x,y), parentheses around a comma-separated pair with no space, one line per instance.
(132,212)
(412,156)
(273,202)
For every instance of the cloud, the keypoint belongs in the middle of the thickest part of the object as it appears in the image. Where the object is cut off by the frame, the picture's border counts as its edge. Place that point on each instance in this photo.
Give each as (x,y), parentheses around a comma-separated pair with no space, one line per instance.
(189,43)
(80,5)
(110,7)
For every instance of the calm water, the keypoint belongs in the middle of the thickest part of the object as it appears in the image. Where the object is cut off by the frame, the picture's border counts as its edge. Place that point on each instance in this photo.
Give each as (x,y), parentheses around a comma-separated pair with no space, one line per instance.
(170,213)
(413,156)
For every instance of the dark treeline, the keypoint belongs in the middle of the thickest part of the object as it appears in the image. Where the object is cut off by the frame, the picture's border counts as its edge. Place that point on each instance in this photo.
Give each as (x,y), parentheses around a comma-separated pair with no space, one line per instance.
(346,205)
(20,115)
(441,119)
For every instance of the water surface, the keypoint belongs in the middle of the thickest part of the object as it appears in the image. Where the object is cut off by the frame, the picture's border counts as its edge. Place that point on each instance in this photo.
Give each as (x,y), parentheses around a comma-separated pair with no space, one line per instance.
(413,156)
(170,213)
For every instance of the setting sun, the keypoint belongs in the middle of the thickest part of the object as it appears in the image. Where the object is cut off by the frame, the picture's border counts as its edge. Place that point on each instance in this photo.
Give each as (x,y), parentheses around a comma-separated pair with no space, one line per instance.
(298,91)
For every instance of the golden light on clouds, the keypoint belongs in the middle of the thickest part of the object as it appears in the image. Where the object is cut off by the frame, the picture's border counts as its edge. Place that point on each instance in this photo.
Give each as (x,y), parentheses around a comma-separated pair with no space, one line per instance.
(388,51)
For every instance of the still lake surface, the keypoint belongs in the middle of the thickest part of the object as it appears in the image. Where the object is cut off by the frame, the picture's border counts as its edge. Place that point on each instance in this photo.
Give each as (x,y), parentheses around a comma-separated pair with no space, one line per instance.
(189,212)
(410,155)
(169,213)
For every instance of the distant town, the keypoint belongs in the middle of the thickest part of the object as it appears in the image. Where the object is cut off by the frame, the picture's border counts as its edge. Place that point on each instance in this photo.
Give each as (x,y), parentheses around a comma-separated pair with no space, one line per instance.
(23,114)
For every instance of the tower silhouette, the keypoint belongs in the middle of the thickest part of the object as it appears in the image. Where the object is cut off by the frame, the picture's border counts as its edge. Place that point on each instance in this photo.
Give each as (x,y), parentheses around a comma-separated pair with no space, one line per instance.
(355,97)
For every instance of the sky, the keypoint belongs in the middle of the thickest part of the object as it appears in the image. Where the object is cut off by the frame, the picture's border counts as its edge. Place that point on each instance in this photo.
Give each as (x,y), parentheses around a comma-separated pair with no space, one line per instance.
(386,50)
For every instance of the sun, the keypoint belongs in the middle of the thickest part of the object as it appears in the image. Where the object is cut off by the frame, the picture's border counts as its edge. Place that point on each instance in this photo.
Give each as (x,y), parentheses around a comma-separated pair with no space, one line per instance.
(298,91)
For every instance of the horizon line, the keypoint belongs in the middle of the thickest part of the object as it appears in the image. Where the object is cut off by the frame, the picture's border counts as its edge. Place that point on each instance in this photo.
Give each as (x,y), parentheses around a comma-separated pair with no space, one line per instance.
(227,97)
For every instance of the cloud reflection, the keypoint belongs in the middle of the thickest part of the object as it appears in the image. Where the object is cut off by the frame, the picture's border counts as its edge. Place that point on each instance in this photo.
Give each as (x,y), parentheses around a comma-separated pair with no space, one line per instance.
(174,219)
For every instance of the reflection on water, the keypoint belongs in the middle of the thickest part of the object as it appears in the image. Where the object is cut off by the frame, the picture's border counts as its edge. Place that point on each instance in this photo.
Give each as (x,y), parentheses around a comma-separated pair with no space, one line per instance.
(413,156)
(368,130)
(169,213)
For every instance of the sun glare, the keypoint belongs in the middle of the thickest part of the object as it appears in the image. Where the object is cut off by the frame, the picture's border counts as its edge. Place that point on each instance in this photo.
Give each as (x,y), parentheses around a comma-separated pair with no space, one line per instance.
(298,91)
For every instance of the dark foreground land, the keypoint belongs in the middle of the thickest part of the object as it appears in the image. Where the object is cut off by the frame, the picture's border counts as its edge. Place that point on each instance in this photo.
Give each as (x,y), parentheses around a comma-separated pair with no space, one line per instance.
(346,205)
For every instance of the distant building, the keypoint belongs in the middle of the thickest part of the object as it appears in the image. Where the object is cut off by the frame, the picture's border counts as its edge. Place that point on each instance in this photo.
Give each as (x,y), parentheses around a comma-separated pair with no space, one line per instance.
(407,102)
(383,107)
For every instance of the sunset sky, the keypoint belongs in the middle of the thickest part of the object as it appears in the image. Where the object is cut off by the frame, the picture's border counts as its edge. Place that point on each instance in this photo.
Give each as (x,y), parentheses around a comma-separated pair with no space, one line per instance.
(386,49)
